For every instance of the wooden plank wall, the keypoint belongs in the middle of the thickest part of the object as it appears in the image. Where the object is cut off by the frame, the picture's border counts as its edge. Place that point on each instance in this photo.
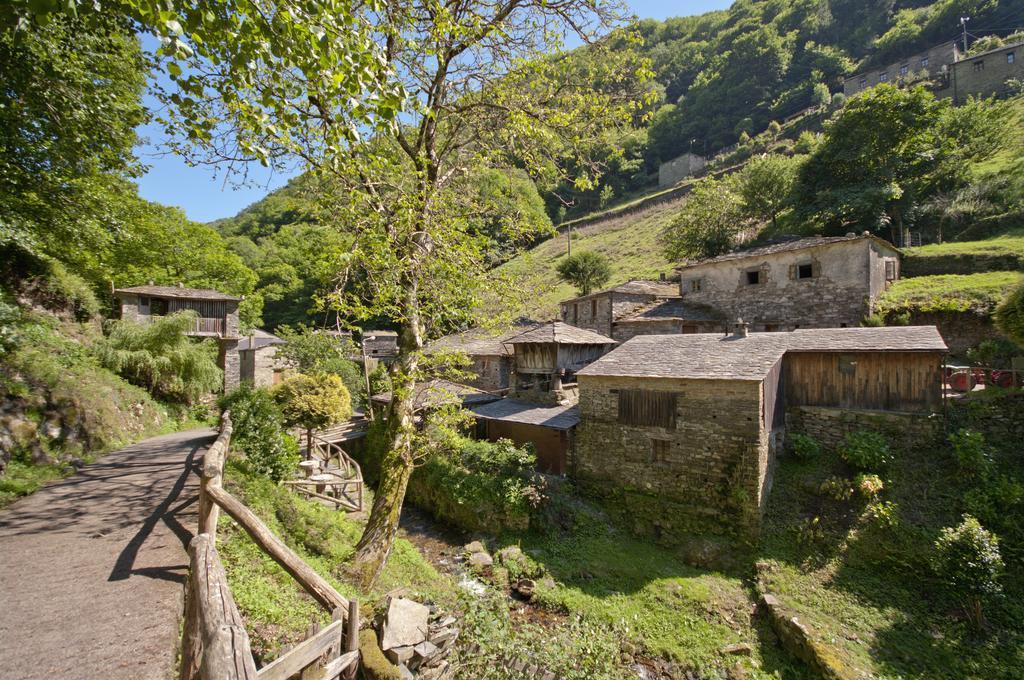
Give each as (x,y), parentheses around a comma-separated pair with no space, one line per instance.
(890,381)
(647,408)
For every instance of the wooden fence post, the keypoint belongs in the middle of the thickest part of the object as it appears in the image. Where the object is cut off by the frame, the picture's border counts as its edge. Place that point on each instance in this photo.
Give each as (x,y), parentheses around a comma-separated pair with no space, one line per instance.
(352,638)
(213,476)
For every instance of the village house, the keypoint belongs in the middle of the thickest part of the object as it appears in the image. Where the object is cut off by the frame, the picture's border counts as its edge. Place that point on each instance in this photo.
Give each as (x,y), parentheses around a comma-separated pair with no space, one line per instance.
(679,433)
(950,72)
(546,358)
(491,360)
(814,282)
(258,360)
(217,317)
(380,345)
(639,308)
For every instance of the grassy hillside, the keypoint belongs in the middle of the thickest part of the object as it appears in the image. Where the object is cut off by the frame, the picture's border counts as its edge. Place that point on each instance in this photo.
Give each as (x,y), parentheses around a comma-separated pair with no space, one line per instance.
(630,242)
(979,292)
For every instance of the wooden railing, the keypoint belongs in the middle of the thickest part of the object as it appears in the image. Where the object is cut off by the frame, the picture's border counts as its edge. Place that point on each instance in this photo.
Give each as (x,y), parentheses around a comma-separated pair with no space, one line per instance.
(339,479)
(215,645)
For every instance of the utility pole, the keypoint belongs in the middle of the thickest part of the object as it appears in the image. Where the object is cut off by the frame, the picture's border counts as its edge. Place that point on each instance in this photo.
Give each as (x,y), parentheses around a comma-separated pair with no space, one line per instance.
(568,241)
(963,25)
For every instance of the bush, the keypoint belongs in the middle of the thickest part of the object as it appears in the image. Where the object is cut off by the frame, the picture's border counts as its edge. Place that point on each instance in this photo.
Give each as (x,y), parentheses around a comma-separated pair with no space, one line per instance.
(259,432)
(866,450)
(972,455)
(312,351)
(837,488)
(480,486)
(313,402)
(869,486)
(803,446)
(159,356)
(968,562)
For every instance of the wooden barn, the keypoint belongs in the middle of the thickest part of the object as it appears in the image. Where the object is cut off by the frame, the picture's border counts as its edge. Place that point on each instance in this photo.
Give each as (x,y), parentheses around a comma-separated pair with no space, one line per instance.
(682,430)
(549,429)
(549,355)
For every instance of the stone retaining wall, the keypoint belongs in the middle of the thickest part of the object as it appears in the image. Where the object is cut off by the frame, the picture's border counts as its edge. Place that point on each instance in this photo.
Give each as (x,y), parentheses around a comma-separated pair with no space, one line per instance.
(829,426)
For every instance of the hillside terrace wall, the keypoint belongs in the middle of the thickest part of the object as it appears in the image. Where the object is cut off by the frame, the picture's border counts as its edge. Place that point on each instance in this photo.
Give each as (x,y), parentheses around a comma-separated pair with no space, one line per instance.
(848,276)
(830,426)
(709,474)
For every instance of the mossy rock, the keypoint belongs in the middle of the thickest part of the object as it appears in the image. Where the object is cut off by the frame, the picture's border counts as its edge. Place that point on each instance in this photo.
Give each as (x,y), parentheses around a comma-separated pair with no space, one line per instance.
(374,664)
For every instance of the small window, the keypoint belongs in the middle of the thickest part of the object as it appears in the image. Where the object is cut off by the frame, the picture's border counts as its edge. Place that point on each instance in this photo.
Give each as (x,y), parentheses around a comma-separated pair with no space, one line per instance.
(659,450)
(575,312)
(883,77)
(1010,57)
(805,271)
(979,65)
(924,62)
(696,285)
(904,70)
(565,313)
(863,82)
(158,307)
(593,308)
(754,277)
(847,364)
(890,270)
(144,302)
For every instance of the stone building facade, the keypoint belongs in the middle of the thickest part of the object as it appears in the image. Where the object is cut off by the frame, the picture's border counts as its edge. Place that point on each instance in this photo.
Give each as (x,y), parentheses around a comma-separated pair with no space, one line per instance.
(680,168)
(933,64)
(817,282)
(678,434)
(601,311)
(258,359)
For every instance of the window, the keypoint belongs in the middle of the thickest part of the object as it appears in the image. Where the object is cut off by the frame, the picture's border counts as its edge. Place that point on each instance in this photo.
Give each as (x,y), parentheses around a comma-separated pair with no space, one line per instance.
(565,313)
(924,62)
(979,65)
(753,277)
(863,82)
(1010,57)
(575,312)
(883,77)
(649,408)
(890,270)
(904,70)
(593,308)
(158,307)
(659,450)
(696,285)
(847,364)
(805,271)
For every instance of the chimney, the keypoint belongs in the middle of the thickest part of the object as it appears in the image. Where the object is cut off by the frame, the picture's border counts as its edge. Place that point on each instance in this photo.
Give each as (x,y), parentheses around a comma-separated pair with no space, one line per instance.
(741,329)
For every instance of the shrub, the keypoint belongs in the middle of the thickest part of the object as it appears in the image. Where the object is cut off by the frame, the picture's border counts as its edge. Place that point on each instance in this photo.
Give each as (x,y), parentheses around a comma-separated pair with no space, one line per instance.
(479,485)
(313,402)
(972,455)
(259,432)
(837,488)
(869,486)
(999,503)
(159,356)
(803,446)
(866,450)
(312,351)
(968,562)
(884,515)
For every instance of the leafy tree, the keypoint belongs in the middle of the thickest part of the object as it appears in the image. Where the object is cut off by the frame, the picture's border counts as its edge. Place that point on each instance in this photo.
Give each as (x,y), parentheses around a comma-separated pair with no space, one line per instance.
(258,431)
(1009,316)
(709,223)
(968,562)
(159,356)
(587,271)
(765,186)
(821,96)
(313,402)
(509,206)
(309,351)
(885,152)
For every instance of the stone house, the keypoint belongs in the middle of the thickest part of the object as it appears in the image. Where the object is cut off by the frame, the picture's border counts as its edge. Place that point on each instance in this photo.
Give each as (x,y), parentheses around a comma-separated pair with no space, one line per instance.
(258,359)
(491,360)
(815,282)
(679,433)
(679,168)
(933,64)
(217,317)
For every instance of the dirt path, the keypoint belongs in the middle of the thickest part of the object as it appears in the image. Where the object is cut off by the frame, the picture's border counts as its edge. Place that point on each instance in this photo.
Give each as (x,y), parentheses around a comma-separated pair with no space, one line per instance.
(92,567)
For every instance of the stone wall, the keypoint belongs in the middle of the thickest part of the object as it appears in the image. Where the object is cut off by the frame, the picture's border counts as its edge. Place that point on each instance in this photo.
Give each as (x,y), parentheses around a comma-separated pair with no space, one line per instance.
(1000,418)
(829,426)
(492,372)
(260,365)
(679,168)
(960,263)
(130,307)
(986,74)
(960,330)
(847,276)
(598,311)
(231,363)
(708,474)
(931,61)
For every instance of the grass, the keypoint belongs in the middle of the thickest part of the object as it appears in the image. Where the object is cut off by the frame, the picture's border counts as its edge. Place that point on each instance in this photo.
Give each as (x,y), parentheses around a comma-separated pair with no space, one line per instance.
(979,293)
(630,243)
(1006,244)
(21,479)
(866,590)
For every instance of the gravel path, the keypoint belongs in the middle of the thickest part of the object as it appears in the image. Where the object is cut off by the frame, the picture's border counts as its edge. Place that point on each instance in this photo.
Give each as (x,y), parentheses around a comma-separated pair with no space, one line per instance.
(92,567)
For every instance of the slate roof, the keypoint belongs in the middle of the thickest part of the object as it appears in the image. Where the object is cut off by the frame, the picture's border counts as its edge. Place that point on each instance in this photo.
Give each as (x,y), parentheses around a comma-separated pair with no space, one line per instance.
(671,309)
(636,287)
(482,341)
(518,411)
(258,340)
(714,356)
(434,393)
(561,333)
(783,247)
(177,292)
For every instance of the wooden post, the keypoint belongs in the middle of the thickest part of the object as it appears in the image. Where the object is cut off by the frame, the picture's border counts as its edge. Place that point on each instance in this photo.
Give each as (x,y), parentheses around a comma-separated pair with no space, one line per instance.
(213,476)
(314,584)
(191,646)
(352,638)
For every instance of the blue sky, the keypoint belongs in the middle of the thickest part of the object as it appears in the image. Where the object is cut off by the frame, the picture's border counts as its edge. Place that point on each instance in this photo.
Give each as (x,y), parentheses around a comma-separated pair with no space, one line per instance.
(202,192)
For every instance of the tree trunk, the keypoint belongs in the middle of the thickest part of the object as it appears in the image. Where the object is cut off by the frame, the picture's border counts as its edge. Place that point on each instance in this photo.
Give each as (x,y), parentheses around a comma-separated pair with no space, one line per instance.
(309,443)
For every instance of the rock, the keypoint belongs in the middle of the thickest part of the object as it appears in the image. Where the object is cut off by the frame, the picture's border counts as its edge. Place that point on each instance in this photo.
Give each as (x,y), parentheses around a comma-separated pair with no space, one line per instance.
(548,582)
(52,429)
(509,554)
(399,655)
(405,624)
(737,648)
(525,587)
(435,673)
(405,673)
(480,560)
(474,547)
(444,636)
(446,622)
(422,653)
(737,672)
